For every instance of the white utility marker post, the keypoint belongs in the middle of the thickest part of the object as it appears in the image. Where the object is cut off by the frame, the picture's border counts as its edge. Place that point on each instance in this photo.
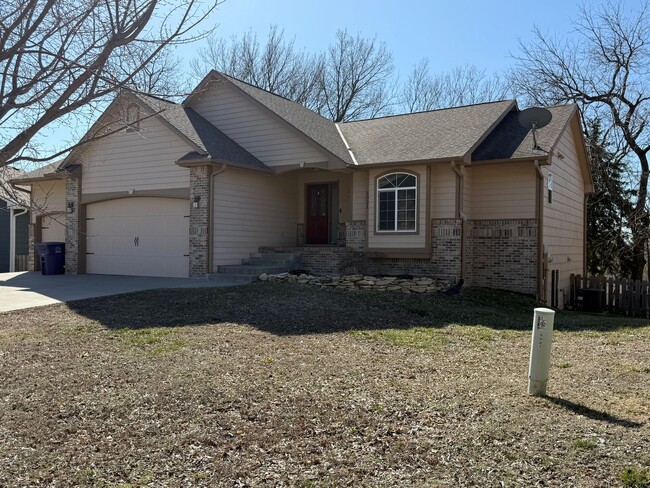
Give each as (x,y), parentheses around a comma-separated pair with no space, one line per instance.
(540,351)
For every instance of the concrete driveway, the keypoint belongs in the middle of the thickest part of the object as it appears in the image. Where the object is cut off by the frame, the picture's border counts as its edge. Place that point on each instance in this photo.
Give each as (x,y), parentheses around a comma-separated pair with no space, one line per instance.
(26,290)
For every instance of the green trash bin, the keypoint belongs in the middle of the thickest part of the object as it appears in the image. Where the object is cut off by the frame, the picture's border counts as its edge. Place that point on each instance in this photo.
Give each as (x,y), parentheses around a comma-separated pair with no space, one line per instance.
(52,256)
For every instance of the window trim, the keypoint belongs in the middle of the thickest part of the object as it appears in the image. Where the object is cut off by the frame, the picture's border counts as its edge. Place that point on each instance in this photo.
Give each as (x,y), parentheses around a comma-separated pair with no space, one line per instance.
(378,191)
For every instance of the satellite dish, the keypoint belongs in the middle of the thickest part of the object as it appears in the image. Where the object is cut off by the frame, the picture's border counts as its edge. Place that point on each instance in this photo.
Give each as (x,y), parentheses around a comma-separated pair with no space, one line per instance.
(535,118)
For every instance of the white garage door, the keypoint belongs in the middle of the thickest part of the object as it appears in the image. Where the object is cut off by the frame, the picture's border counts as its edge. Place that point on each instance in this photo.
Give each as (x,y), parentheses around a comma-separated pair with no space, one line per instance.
(138,237)
(53,228)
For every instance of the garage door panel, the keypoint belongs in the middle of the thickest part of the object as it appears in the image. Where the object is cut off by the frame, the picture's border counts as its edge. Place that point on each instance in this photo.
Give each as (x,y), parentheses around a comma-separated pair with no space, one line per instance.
(138,266)
(138,237)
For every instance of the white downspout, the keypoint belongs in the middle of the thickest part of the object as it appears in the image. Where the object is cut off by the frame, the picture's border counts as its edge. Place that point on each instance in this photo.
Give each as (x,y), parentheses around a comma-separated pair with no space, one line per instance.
(12,238)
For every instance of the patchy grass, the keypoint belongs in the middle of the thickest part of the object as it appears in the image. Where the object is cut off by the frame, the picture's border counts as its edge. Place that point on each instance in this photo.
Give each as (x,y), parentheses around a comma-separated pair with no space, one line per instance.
(635,477)
(280,385)
(584,443)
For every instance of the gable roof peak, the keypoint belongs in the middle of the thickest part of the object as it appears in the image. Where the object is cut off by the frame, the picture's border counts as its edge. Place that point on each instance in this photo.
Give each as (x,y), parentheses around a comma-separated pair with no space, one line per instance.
(315,127)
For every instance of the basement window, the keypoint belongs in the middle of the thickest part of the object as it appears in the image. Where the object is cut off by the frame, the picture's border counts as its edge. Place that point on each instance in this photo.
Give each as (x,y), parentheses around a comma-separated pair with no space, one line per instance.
(396,202)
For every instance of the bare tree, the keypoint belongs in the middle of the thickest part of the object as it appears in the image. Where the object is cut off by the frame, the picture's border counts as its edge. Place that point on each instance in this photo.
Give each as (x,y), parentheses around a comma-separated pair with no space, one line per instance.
(57,57)
(351,80)
(275,65)
(356,79)
(464,85)
(163,75)
(605,70)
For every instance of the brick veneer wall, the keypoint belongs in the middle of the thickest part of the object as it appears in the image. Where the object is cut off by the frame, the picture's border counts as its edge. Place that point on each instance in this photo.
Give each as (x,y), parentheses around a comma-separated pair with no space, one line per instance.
(330,260)
(355,235)
(400,266)
(199,220)
(446,248)
(72,209)
(502,254)
(31,261)
(498,254)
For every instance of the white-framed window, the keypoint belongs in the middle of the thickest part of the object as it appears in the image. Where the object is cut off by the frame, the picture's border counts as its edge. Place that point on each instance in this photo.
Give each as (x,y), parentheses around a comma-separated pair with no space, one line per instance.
(132,117)
(397,203)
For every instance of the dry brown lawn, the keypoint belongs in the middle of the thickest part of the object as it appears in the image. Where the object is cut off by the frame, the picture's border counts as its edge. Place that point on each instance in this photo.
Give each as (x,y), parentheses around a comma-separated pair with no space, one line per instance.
(283,385)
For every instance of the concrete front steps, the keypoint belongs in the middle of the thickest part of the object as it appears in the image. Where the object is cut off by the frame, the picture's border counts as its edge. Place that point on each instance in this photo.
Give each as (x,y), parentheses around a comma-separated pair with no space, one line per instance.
(258,263)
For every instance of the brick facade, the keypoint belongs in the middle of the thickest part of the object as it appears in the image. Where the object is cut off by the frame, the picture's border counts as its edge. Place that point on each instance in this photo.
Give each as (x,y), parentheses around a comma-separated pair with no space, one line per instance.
(502,254)
(355,235)
(446,248)
(31,254)
(498,254)
(72,216)
(199,220)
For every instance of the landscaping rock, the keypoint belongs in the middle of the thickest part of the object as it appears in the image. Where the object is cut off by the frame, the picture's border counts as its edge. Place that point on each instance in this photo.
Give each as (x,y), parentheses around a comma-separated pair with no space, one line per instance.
(361,282)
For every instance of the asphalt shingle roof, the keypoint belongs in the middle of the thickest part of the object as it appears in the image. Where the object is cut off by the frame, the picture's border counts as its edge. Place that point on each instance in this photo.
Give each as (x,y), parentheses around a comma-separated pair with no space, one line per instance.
(319,129)
(511,140)
(439,134)
(206,136)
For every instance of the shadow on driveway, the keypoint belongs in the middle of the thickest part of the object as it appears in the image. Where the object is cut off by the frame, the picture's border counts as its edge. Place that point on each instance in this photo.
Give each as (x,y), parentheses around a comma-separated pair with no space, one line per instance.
(26,290)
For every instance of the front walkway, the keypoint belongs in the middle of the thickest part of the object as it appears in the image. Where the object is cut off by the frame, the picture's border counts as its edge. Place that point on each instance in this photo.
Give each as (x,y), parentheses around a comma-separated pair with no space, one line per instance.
(26,290)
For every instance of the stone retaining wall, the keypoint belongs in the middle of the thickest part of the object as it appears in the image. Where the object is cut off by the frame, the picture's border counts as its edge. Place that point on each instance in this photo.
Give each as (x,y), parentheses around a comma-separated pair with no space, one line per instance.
(361,282)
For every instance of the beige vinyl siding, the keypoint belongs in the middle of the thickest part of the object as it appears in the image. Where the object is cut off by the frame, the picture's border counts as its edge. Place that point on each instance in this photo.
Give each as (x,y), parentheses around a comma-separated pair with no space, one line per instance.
(53,228)
(397,240)
(443,192)
(254,127)
(360,195)
(345,191)
(48,196)
(138,160)
(503,191)
(252,210)
(564,218)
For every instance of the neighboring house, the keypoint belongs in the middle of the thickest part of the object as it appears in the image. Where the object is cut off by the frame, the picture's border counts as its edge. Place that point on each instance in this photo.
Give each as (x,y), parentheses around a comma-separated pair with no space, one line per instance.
(179,189)
(14,223)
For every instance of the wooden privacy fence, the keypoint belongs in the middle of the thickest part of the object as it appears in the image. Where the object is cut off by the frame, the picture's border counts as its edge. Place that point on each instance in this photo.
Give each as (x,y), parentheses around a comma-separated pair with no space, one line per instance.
(621,295)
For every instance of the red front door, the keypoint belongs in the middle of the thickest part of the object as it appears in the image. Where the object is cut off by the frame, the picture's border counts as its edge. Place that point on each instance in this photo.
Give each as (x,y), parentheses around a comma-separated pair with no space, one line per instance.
(318,214)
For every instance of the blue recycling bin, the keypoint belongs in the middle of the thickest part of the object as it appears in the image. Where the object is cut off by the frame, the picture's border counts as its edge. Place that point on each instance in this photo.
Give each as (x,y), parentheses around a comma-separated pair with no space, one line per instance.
(52,255)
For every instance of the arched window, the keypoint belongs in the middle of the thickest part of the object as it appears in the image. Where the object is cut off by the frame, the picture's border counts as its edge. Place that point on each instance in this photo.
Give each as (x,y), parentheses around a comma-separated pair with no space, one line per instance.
(396,202)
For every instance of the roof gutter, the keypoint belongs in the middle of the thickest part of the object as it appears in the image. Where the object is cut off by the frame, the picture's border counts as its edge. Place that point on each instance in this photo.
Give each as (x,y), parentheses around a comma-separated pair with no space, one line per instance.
(208,161)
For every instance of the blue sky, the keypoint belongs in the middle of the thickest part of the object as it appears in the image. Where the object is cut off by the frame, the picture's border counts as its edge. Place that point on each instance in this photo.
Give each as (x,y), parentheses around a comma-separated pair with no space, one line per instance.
(449,33)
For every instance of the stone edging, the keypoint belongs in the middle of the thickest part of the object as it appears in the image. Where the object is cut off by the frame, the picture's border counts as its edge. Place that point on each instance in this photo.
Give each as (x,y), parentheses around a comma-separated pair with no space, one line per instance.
(361,282)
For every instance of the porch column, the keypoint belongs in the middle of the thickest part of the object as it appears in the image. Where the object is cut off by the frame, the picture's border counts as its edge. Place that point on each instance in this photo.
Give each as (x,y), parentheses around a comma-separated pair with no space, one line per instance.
(355,235)
(31,261)
(72,209)
(199,220)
